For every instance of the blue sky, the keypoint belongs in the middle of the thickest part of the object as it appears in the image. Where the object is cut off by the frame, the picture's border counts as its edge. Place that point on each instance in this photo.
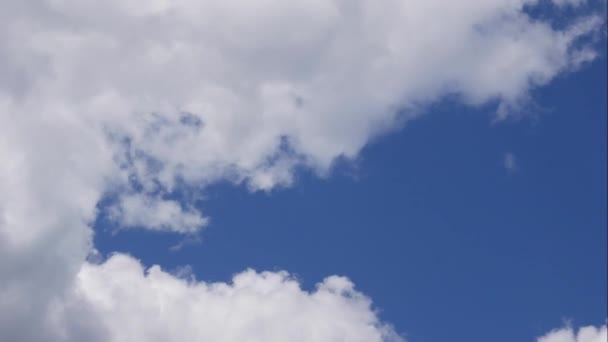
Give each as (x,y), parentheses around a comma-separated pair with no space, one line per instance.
(303,171)
(428,221)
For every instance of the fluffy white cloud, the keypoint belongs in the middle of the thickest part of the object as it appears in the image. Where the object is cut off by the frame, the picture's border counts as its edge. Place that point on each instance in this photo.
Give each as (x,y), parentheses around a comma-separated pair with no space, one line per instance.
(152,305)
(138,99)
(196,91)
(137,210)
(585,334)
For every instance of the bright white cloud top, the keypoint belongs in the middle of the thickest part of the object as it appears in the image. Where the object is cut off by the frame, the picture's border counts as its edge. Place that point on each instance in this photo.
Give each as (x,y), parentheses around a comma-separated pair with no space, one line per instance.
(138,99)
(255,307)
(568,334)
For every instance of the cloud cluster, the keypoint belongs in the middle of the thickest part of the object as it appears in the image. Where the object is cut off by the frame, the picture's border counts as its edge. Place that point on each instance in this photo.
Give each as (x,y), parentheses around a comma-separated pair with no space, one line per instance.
(156,306)
(585,334)
(134,100)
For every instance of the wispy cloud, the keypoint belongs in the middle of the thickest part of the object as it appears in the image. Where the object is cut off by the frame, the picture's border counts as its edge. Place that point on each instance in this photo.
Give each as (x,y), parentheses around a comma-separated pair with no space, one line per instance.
(510,162)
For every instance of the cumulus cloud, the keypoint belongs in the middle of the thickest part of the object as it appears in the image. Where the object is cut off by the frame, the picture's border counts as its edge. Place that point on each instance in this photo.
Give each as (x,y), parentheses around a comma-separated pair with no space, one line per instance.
(136,101)
(151,305)
(568,334)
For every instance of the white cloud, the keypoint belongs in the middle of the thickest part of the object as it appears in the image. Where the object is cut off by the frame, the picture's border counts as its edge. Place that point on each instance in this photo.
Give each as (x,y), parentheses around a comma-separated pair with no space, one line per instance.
(263,307)
(137,210)
(142,99)
(568,334)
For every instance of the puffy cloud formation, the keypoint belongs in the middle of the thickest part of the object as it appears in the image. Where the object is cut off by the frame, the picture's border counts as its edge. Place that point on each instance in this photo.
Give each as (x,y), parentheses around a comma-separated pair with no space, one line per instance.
(132,101)
(585,334)
(156,306)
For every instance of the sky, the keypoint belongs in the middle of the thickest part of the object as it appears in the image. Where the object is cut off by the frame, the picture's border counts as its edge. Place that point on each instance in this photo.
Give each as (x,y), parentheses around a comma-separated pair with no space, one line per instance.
(313,171)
